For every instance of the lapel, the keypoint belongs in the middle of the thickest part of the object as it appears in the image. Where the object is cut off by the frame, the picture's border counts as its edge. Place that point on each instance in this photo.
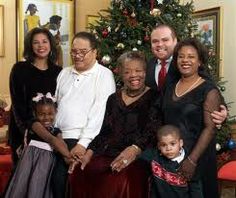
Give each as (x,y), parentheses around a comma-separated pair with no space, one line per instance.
(150,73)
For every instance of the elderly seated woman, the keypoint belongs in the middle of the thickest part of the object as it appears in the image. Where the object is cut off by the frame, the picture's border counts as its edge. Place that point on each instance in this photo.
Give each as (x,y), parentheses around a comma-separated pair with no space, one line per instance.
(109,168)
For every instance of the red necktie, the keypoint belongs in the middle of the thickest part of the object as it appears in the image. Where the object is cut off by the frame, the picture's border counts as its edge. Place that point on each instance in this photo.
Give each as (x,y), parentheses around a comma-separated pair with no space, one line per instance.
(162,75)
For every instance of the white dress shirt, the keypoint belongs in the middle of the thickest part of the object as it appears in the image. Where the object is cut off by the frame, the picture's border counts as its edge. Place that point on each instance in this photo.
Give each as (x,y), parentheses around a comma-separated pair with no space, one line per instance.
(81,99)
(158,68)
(180,157)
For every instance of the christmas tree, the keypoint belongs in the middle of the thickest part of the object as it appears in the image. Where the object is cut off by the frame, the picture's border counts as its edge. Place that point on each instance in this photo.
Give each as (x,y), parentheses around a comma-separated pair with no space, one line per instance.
(127,24)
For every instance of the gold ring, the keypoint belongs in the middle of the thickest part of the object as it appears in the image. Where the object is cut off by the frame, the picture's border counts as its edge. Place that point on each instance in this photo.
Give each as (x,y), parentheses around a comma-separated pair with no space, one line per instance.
(125,161)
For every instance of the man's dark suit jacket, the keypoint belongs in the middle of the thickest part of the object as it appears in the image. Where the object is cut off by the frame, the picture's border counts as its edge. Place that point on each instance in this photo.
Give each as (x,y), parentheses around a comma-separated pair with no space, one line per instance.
(172,76)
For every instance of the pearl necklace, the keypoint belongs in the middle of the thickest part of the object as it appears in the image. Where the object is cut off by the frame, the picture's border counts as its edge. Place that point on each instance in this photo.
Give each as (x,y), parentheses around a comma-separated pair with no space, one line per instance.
(189,89)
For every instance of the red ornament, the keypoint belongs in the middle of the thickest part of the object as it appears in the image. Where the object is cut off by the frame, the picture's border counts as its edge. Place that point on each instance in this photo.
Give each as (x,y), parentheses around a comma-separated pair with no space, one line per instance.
(105,33)
(115,70)
(125,12)
(151,4)
(146,38)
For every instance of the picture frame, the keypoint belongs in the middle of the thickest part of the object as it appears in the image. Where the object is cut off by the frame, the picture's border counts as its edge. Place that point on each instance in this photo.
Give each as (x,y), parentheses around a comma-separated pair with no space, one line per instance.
(1,30)
(44,13)
(92,19)
(208,29)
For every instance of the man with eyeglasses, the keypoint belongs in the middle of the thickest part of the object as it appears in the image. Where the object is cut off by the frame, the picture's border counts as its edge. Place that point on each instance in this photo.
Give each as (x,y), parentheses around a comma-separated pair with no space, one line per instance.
(82,92)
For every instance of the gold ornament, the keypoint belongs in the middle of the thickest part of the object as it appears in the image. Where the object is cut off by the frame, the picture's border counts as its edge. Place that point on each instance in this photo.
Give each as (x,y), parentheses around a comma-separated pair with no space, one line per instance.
(155,12)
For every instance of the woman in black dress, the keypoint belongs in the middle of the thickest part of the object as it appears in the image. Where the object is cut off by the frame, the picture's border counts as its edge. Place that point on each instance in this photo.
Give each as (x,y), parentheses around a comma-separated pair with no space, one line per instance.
(109,168)
(188,104)
(37,74)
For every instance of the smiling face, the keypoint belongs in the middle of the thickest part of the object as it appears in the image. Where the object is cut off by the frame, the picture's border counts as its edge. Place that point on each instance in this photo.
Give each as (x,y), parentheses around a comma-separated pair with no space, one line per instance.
(162,43)
(133,75)
(41,46)
(188,61)
(170,145)
(45,113)
(83,56)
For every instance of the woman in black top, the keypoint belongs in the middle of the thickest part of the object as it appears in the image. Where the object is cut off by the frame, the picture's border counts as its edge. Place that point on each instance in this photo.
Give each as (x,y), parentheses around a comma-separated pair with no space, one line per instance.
(38,73)
(188,104)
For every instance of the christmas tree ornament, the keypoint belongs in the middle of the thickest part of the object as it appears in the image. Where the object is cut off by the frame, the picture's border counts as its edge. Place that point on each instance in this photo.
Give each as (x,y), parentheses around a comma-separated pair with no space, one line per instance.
(151,4)
(117,28)
(105,33)
(134,49)
(94,31)
(125,12)
(121,5)
(222,88)
(120,46)
(139,3)
(139,42)
(123,34)
(106,59)
(132,21)
(218,147)
(211,52)
(109,29)
(146,38)
(115,70)
(167,16)
(209,67)
(133,15)
(155,12)
(231,144)
(179,15)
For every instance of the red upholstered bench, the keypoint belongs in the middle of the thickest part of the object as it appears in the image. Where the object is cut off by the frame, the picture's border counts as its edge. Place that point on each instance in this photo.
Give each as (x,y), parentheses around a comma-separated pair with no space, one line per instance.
(5,166)
(227,174)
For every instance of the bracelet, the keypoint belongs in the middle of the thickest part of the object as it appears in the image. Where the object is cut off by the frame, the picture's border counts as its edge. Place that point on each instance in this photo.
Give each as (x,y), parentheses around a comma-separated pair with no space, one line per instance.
(136,147)
(191,161)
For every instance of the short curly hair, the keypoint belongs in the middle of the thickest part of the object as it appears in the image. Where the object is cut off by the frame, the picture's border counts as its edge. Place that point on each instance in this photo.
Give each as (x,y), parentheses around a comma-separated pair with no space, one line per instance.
(196,44)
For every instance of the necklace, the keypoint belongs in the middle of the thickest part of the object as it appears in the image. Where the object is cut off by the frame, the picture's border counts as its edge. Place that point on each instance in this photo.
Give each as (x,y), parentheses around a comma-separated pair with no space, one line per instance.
(128,93)
(44,67)
(187,90)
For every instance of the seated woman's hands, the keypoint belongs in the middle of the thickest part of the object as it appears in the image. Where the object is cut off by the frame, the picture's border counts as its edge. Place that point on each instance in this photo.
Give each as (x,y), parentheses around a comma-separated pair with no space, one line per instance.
(78,151)
(75,161)
(126,157)
(72,166)
(86,159)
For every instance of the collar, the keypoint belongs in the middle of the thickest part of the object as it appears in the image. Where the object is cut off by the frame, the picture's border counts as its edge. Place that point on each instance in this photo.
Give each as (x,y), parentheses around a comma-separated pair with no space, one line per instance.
(92,70)
(180,157)
(167,61)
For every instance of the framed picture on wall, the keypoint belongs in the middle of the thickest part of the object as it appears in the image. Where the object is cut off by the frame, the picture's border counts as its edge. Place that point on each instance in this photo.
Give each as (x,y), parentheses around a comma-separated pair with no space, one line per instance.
(92,19)
(56,15)
(1,30)
(208,29)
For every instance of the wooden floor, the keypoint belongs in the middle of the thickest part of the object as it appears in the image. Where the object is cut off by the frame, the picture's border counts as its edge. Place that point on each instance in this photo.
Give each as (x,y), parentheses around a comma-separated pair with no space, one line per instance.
(228,193)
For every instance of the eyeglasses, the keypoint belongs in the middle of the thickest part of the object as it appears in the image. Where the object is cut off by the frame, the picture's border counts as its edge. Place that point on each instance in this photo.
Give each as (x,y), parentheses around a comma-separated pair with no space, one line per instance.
(80,52)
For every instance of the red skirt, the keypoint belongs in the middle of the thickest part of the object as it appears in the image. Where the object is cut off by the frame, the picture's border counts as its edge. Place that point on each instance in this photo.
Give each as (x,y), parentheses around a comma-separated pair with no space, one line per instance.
(97,180)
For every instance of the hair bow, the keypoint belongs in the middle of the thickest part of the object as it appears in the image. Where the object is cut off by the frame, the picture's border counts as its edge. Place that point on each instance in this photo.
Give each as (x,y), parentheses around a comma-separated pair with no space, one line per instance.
(40,97)
(49,95)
